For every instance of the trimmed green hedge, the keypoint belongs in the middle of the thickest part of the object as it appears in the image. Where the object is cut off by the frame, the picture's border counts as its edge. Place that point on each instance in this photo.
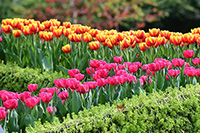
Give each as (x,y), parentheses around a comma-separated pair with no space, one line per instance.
(171,111)
(16,79)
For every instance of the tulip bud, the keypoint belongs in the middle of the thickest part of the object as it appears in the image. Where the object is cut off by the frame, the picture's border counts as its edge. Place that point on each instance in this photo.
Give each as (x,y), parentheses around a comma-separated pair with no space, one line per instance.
(66,48)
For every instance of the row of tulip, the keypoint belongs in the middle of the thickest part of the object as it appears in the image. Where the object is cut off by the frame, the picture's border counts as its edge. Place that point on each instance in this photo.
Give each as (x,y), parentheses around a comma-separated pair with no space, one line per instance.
(104,82)
(44,44)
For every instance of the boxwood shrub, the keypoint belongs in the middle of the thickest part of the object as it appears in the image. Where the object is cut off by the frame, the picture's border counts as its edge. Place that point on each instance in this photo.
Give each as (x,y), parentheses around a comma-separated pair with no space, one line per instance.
(171,111)
(16,79)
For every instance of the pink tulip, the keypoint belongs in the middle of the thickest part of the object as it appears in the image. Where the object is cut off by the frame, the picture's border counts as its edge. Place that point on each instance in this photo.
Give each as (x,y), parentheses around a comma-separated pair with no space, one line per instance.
(73,72)
(32,87)
(83,88)
(24,95)
(63,95)
(50,109)
(188,54)
(101,82)
(45,97)
(79,76)
(10,104)
(94,63)
(117,59)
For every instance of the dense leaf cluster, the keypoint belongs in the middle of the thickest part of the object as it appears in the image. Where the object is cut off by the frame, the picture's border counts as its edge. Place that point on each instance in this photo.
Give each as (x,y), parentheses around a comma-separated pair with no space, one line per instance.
(13,78)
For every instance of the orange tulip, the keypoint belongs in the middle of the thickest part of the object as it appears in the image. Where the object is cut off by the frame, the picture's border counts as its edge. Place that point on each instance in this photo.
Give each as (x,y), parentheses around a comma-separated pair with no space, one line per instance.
(41,34)
(133,44)
(55,23)
(160,41)
(125,43)
(95,45)
(26,30)
(108,43)
(165,33)
(47,24)
(150,41)
(20,26)
(120,36)
(198,40)
(48,36)
(14,23)
(82,29)
(33,28)
(57,32)
(189,38)
(87,37)
(140,34)
(176,40)
(196,30)
(75,37)
(101,37)
(17,33)
(6,21)
(41,27)
(93,32)
(67,24)
(6,28)
(154,32)
(52,28)
(66,48)
(142,46)
(67,32)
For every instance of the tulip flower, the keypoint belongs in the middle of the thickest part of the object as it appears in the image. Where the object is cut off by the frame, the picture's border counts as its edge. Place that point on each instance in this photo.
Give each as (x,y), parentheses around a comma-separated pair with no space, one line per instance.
(131,78)
(133,68)
(87,37)
(66,48)
(150,41)
(109,66)
(6,28)
(93,32)
(50,109)
(10,104)
(178,62)
(165,33)
(190,71)
(79,76)
(176,40)
(82,89)
(73,72)
(57,32)
(197,71)
(173,73)
(91,84)
(140,34)
(142,46)
(117,59)
(24,95)
(63,95)
(196,61)
(0,39)
(26,30)
(125,43)
(67,24)
(32,87)
(103,73)
(94,45)
(154,32)
(74,84)
(101,37)
(188,54)
(32,101)
(45,97)
(113,80)
(101,82)
(3,113)
(17,33)
(94,63)
(88,70)
(48,36)
(67,32)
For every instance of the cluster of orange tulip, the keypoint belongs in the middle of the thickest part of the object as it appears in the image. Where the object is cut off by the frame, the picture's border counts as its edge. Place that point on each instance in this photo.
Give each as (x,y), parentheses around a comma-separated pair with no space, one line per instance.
(76,33)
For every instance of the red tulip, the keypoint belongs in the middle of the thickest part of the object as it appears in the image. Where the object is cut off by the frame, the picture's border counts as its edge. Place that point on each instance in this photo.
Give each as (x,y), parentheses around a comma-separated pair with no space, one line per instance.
(63,95)
(133,68)
(154,67)
(45,97)
(32,101)
(117,59)
(88,70)
(103,73)
(74,84)
(188,54)
(0,39)
(113,80)
(3,113)
(101,82)
(50,109)
(178,62)
(130,78)
(91,84)
(197,72)
(82,89)
(173,73)
(79,76)
(73,72)
(32,87)
(23,96)
(190,71)
(94,63)
(196,61)
(10,104)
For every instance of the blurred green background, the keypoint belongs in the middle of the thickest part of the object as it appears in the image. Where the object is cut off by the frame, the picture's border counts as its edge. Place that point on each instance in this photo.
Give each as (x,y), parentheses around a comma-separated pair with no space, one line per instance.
(173,15)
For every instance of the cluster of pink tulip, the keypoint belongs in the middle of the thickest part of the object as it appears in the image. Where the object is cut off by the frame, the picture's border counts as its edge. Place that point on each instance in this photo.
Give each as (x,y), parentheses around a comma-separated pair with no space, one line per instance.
(101,74)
